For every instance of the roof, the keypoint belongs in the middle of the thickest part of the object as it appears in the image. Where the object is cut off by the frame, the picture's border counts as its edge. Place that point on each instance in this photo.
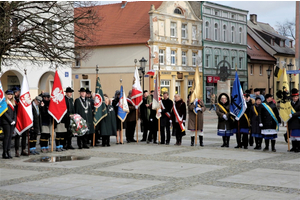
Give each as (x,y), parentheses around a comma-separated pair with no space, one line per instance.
(128,25)
(225,6)
(256,52)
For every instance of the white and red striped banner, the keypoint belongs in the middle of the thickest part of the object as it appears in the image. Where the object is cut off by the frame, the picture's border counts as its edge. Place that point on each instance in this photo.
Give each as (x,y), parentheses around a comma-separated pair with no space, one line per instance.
(137,93)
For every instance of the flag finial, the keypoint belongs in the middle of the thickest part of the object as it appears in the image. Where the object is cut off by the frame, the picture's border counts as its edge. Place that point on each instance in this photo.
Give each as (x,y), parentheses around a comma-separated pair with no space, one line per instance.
(25,71)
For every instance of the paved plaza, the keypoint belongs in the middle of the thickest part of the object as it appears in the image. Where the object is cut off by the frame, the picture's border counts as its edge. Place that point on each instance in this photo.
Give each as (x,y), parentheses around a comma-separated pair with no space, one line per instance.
(151,171)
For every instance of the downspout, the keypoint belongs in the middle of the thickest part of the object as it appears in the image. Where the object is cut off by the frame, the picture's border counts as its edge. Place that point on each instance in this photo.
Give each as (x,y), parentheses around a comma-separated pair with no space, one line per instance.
(149,62)
(203,74)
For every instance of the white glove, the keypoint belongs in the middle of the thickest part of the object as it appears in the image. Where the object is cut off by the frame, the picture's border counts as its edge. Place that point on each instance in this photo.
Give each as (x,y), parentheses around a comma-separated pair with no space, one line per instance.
(261,125)
(198,108)
(151,120)
(183,121)
(236,118)
(225,117)
(195,101)
(170,121)
(13,123)
(136,107)
(159,110)
(291,115)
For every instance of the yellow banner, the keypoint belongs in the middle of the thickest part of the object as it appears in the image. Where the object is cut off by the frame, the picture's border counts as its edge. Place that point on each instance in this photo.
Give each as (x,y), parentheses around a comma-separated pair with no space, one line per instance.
(285,110)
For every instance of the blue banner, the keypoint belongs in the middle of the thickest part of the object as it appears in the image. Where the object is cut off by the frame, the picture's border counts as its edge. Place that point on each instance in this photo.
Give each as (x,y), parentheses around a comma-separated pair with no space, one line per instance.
(123,106)
(3,104)
(237,104)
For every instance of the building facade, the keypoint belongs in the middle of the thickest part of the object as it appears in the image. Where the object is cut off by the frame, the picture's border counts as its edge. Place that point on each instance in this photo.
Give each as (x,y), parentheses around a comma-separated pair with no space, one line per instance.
(224,38)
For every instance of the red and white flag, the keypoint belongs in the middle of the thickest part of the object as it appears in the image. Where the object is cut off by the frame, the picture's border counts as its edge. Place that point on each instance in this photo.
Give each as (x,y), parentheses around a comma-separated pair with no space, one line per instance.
(137,92)
(151,72)
(156,97)
(24,115)
(57,105)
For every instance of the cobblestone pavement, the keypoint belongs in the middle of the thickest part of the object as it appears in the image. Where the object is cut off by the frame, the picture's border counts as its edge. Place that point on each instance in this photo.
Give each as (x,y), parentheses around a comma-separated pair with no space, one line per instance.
(151,171)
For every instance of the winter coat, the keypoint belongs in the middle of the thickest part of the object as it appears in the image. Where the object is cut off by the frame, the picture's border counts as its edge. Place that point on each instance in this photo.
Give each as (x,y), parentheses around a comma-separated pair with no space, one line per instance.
(46,117)
(192,117)
(254,119)
(37,121)
(266,119)
(108,125)
(181,109)
(9,116)
(115,103)
(243,120)
(222,123)
(131,116)
(87,116)
(294,122)
(164,120)
(143,109)
(70,111)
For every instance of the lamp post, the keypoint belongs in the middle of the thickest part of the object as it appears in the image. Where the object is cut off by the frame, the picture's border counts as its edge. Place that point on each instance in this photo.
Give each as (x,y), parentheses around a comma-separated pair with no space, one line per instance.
(142,69)
(269,75)
(290,66)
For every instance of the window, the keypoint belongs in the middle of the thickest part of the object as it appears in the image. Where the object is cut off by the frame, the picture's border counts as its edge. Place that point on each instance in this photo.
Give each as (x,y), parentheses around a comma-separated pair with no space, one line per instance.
(233,62)
(217,12)
(178,11)
(183,30)
(85,83)
(77,60)
(251,69)
(249,46)
(232,34)
(224,57)
(216,60)
(207,60)
(194,32)
(260,70)
(173,57)
(232,16)
(281,43)
(206,29)
(194,56)
(216,31)
(161,56)
(240,35)
(240,63)
(173,29)
(291,61)
(183,57)
(190,85)
(224,33)
(285,62)
(164,86)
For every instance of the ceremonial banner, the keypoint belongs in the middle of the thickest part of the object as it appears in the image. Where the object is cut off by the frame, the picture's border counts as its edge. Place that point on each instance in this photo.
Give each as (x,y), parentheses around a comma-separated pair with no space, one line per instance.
(156,97)
(151,72)
(285,105)
(57,105)
(197,90)
(237,104)
(137,93)
(24,115)
(3,104)
(100,107)
(123,108)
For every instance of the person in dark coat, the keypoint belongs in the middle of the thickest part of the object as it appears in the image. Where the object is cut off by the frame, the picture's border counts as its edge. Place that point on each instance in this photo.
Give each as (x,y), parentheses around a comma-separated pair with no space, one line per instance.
(269,127)
(130,120)
(47,121)
(8,121)
(180,107)
(70,111)
(143,116)
(108,125)
(153,121)
(91,100)
(294,122)
(254,118)
(166,107)
(37,125)
(225,119)
(115,104)
(83,107)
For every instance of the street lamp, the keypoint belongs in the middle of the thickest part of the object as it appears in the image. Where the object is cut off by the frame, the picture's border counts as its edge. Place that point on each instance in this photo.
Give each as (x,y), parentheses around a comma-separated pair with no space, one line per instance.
(269,75)
(142,69)
(290,66)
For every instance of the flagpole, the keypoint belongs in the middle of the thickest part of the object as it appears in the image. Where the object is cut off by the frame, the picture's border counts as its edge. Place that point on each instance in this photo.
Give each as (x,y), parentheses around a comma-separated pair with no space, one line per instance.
(196,129)
(136,115)
(121,136)
(96,87)
(25,71)
(52,136)
(288,135)
(158,85)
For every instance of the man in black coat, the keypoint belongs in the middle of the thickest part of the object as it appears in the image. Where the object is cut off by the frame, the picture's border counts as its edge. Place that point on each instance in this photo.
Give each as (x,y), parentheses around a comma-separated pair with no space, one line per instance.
(70,111)
(91,100)
(180,107)
(152,120)
(143,117)
(166,107)
(46,122)
(37,125)
(254,118)
(294,122)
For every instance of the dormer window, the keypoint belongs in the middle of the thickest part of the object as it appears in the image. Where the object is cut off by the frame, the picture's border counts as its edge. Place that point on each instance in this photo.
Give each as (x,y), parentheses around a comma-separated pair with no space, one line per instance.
(281,43)
(178,11)
(272,42)
(291,44)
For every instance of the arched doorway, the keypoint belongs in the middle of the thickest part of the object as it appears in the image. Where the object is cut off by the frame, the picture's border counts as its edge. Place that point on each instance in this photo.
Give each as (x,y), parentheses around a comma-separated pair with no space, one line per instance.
(11,79)
(46,82)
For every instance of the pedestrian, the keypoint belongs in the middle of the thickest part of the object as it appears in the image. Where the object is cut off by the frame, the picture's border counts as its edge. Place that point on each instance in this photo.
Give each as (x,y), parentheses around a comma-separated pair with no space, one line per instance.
(108,125)
(36,129)
(130,119)
(89,97)
(192,120)
(47,121)
(254,118)
(269,122)
(83,107)
(166,107)
(225,119)
(212,101)
(257,94)
(70,112)
(143,116)
(153,121)
(8,121)
(294,121)
(178,117)
(115,104)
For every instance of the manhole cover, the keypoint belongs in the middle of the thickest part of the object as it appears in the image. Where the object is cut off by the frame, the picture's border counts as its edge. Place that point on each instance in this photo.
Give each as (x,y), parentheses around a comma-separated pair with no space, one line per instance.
(52,159)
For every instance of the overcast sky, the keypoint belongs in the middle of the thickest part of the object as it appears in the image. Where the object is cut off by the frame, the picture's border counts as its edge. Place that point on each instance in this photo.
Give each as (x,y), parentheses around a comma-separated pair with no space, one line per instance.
(267,11)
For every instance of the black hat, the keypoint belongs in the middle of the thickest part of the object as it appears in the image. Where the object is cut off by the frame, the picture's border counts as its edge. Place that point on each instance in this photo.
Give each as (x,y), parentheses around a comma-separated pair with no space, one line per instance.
(15,89)
(46,94)
(88,91)
(268,96)
(151,91)
(145,91)
(248,91)
(257,98)
(9,92)
(38,98)
(295,92)
(256,90)
(69,89)
(82,90)
(246,95)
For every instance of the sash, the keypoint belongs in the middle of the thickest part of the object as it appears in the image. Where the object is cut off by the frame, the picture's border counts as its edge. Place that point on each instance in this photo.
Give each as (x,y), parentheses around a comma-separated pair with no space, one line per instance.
(166,113)
(130,101)
(254,108)
(11,105)
(179,119)
(225,111)
(267,107)
(247,119)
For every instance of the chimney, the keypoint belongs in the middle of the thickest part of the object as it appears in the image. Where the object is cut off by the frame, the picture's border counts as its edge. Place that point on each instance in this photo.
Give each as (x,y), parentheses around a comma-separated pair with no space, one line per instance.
(123,4)
(253,18)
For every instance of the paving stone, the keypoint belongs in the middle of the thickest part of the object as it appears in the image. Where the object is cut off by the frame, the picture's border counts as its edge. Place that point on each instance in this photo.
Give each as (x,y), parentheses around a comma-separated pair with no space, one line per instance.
(7,174)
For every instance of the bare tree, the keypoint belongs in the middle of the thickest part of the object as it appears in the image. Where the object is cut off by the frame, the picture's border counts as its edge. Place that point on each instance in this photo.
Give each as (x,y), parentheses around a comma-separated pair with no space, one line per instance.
(45,30)
(286,28)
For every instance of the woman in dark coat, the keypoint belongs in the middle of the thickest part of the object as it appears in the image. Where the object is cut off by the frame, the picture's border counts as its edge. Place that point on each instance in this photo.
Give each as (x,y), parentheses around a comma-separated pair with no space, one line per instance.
(225,119)
(108,125)
(8,121)
(254,118)
(115,104)
(181,110)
